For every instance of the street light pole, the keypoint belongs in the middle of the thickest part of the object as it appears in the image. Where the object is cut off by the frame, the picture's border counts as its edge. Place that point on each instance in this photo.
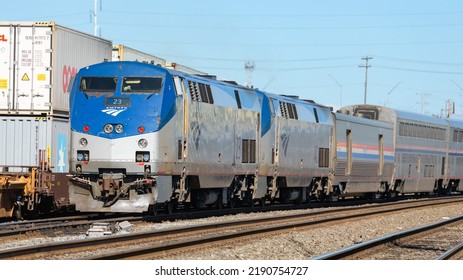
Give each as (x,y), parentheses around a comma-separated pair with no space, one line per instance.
(340,88)
(389,93)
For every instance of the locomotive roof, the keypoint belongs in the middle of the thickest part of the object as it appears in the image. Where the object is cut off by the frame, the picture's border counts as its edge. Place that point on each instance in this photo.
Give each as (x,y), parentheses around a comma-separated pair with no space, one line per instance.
(391,115)
(360,120)
(295,99)
(213,80)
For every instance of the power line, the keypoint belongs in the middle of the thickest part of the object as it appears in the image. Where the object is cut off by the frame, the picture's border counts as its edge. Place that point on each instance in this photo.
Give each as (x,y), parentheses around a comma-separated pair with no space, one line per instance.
(279,27)
(420,70)
(420,61)
(125,12)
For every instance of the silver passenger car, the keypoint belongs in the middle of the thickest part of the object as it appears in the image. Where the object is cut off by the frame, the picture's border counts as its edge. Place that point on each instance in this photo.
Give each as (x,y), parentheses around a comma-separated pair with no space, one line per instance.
(426,153)
(364,159)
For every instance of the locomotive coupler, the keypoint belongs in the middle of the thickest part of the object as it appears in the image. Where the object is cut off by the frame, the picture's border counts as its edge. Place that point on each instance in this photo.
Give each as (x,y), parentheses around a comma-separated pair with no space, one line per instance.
(112,183)
(122,190)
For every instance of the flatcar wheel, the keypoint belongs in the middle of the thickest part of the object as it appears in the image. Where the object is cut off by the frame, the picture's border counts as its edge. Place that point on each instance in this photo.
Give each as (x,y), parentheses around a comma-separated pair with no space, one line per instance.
(17,213)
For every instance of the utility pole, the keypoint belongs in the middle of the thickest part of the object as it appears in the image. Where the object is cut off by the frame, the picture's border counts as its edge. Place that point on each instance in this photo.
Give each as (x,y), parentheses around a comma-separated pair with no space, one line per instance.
(423,101)
(366,66)
(95,18)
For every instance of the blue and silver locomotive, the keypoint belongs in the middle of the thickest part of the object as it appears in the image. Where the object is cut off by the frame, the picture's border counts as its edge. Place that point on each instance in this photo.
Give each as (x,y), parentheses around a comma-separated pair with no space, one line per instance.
(145,136)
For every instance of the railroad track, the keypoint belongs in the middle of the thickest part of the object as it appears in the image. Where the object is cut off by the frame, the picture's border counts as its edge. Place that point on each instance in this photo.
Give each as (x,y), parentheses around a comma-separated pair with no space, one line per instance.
(436,239)
(50,226)
(81,223)
(165,243)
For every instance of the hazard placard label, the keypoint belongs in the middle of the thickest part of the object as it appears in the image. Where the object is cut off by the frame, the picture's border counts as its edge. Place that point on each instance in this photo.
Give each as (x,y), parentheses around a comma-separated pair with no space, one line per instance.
(42,77)
(3,83)
(25,77)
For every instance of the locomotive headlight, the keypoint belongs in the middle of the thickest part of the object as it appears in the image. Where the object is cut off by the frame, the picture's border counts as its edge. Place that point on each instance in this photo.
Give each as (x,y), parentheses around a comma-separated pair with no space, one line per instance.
(83,142)
(142,143)
(119,128)
(108,128)
(141,156)
(83,155)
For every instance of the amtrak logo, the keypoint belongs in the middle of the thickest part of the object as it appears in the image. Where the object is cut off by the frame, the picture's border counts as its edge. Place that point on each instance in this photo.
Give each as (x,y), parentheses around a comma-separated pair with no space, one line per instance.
(284,142)
(113,112)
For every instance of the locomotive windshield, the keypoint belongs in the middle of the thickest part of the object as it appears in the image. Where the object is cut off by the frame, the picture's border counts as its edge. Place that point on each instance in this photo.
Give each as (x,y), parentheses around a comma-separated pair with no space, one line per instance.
(147,85)
(98,84)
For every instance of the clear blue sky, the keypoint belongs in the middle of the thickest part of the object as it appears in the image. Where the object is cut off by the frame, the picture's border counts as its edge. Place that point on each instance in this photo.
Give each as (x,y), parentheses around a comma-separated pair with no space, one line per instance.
(312,49)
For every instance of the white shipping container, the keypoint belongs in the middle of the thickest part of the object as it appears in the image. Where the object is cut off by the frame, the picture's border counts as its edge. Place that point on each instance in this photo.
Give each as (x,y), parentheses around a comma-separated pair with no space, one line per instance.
(21,139)
(37,61)
(182,68)
(124,53)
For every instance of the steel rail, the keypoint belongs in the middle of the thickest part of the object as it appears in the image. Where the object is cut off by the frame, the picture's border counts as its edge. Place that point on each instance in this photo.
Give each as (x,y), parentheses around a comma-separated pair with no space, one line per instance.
(362,247)
(57,223)
(452,252)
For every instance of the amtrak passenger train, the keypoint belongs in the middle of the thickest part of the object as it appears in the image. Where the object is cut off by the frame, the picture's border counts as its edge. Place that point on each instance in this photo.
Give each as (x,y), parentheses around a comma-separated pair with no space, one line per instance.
(145,137)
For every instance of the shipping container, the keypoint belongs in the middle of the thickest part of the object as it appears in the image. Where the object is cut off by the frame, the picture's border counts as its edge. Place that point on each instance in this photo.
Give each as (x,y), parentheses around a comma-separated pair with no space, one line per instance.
(185,69)
(38,60)
(124,53)
(21,139)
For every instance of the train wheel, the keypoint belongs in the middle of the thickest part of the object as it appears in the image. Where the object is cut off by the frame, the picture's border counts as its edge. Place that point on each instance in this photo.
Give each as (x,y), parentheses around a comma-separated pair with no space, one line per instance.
(153,210)
(299,200)
(169,207)
(219,205)
(334,196)
(392,194)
